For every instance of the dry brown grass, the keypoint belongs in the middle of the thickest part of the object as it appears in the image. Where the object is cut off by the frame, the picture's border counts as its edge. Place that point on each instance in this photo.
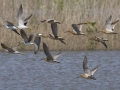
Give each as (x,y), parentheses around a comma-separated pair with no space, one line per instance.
(65,11)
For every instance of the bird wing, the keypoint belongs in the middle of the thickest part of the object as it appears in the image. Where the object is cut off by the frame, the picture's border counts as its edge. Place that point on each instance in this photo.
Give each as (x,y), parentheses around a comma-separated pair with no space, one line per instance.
(47,52)
(26,20)
(50,20)
(56,56)
(61,40)
(54,29)
(103,42)
(5,47)
(86,66)
(9,23)
(81,25)
(37,41)
(80,28)
(20,15)
(94,70)
(24,36)
(75,28)
(108,23)
(30,37)
(15,31)
(114,24)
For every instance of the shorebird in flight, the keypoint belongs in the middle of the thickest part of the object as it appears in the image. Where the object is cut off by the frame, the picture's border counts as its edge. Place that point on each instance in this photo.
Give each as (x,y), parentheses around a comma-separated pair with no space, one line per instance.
(76,30)
(98,39)
(14,28)
(11,26)
(54,30)
(27,40)
(10,50)
(22,23)
(110,26)
(88,74)
(49,57)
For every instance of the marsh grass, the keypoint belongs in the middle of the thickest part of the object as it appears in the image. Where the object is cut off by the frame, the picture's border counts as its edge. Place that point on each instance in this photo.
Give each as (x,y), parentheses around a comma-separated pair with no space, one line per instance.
(67,12)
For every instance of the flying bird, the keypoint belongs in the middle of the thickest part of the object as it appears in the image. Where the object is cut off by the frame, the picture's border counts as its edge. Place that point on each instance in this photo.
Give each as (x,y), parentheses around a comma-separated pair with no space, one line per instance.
(10,50)
(27,40)
(98,39)
(11,26)
(54,31)
(49,57)
(14,28)
(110,26)
(88,74)
(22,23)
(76,30)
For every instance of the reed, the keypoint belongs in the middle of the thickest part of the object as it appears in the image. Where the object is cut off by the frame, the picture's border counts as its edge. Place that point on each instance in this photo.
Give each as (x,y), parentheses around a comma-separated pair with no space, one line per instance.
(67,12)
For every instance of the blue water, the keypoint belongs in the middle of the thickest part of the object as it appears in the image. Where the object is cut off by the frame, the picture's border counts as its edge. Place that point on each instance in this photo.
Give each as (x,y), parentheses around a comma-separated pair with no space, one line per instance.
(27,72)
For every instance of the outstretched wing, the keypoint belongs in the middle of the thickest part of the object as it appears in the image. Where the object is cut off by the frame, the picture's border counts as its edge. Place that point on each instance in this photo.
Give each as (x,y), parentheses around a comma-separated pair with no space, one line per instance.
(114,24)
(14,30)
(20,15)
(56,56)
(61,40)
(26,20)
(94,70)
(5,47)
(54,29)
(24,36)
(108,23)
(103,42)
(37,41)
(9,23)
(85,66)
(30,37)
(75,28)
(47,52)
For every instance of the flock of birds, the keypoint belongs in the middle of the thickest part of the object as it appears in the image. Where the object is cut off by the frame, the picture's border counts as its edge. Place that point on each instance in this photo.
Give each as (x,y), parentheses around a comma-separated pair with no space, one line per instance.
(37,38)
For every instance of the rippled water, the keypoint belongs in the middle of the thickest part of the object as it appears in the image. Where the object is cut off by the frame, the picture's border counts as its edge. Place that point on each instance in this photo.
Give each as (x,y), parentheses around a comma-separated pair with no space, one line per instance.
(27,72)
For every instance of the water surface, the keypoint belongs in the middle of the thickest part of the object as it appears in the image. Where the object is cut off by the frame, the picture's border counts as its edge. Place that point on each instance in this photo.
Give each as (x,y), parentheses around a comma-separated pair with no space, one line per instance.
(27,72)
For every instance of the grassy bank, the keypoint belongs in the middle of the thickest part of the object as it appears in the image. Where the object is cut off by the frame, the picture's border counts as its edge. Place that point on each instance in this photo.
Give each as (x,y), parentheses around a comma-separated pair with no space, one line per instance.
(67,12)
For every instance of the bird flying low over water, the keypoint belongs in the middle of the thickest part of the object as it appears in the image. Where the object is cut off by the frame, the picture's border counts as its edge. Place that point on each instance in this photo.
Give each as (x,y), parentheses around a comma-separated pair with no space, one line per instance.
(76,30)
(49,57)
(110,26)
(22,23)
(10,50)
(27,40)
(88,74)
(54,31)
(102,40)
